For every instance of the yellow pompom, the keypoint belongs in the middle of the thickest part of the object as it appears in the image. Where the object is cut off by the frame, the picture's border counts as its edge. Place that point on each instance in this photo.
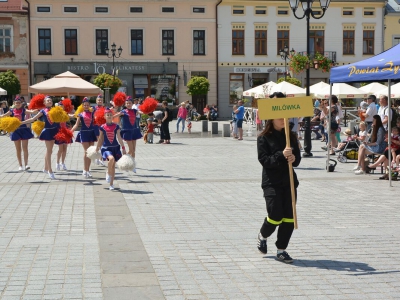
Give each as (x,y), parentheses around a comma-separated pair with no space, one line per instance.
(10,124)
(37,127)
(58,115)
(78,110)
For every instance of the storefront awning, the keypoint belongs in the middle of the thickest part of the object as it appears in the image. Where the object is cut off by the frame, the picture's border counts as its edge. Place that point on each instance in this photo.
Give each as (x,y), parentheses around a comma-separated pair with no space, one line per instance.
(140,81)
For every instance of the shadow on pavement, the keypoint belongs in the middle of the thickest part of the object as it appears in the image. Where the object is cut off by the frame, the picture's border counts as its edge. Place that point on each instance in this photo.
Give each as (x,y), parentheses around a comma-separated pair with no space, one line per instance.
(299,168)
(334,265)
(187,179)
(134,192)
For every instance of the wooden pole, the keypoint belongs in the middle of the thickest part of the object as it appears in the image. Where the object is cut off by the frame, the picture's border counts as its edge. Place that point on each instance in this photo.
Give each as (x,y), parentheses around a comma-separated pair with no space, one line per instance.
(287,133)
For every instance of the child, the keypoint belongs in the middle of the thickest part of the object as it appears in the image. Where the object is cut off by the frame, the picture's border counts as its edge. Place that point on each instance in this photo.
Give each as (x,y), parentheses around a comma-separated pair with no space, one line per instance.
(393,146)
(150,128)
(110,142)
(189,125)
(361,137)
(3,110)
(234,123)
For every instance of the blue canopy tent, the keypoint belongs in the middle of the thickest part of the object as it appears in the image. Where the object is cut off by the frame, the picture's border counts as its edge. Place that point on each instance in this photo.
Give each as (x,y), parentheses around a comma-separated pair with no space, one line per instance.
(384,66)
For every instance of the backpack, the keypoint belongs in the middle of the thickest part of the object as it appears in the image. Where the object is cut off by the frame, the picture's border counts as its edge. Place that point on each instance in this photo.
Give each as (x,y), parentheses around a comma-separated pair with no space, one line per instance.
(395,115)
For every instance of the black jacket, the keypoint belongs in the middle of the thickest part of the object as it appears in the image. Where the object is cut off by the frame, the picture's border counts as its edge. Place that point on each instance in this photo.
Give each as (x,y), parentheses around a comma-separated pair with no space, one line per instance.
(275,171)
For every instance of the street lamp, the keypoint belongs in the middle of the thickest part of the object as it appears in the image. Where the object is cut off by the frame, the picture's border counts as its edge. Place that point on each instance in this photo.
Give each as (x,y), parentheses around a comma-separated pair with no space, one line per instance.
(307,13)
(285,55)
(113,55)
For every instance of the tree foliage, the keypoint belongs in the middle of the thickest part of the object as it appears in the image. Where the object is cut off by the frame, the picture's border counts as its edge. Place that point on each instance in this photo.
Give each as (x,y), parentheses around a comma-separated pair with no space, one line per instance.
(198,86)
(108,81)
(291,80)
(10,82)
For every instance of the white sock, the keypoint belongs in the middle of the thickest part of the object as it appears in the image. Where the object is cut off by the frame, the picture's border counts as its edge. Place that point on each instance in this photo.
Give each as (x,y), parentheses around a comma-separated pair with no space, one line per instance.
(279,251)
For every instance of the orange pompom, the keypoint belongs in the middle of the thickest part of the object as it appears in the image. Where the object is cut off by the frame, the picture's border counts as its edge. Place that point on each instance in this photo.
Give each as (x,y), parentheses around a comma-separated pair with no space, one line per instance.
(37,102)
(67,103)
(64,135)
(149,105)
(119,99)
(99,116)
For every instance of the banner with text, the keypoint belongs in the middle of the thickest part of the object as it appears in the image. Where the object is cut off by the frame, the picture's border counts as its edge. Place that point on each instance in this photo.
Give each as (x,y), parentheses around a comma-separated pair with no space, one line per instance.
(277,108)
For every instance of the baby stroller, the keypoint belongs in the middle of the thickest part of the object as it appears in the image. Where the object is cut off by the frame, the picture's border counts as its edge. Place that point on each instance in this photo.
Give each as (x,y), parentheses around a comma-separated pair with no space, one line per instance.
(350,150)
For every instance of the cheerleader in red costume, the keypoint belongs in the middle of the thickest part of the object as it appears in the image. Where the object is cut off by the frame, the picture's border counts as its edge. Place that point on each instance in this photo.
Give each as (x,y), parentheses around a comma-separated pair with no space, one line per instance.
(48,133)
(129,132)
(109,143)
(86,135)
(23,134)
(100,104)
(62,146)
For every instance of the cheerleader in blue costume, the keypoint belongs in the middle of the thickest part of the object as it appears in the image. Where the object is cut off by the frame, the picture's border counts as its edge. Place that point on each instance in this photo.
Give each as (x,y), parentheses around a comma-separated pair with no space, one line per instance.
(21,136)
(62,146)
(129,132)
(100,104)
(48,133)
(86,136)
(109,143)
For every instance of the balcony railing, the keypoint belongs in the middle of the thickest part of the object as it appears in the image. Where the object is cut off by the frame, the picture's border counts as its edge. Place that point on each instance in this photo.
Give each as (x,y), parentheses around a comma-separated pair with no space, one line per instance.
(329,54)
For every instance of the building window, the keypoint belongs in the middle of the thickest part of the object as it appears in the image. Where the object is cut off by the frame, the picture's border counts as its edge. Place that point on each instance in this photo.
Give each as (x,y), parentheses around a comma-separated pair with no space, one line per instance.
(199,42)
(5,40)
(168,9)
(396,40)
(283,12)
(261,11)
(348,42)
(348,11)
(136,9)
(369,13)
(101,9)
(260,42)
(317,41)
(368,41)
(43,9)
(168,42)
(71,41)
(199,10)
(101,41)
(237,42)
(236,83)
(70,9)
(237,10)
(283,40)
(44,41)
(137,42)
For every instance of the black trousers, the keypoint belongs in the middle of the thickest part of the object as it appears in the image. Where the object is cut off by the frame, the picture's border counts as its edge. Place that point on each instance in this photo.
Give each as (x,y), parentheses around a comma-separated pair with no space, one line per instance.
(165,131)
(280,214)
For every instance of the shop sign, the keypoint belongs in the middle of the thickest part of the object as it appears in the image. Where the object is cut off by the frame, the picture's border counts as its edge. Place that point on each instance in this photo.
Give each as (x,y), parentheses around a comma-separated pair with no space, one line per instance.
(257,70)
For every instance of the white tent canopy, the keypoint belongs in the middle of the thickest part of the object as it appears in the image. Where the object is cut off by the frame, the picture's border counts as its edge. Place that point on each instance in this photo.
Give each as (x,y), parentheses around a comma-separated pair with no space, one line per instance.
(260,91)
(65,84)
(342,90)
(373,87)
(318,87)
(289,89)
(3,92)
(394,91)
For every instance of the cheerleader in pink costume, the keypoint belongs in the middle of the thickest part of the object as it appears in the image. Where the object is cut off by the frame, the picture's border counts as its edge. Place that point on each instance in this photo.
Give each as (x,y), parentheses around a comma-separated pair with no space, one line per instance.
(100,104)
(62,147)
(23,134)
(86,135)
(109,143)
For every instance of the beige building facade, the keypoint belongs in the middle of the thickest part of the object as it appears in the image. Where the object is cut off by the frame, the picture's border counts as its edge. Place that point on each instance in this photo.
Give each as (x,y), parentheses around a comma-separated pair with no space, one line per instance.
(163,43)
(392,24)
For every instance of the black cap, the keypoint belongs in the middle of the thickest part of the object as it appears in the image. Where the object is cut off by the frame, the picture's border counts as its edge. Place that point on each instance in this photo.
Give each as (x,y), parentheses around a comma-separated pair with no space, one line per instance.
(277,95)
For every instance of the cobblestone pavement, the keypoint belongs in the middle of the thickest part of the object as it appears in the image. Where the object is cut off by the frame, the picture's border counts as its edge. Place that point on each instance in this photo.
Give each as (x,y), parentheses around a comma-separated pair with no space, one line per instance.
(185,227)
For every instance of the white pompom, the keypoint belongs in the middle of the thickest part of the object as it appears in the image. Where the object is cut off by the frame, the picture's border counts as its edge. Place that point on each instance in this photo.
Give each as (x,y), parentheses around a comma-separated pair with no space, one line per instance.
(126,163)
(92,153)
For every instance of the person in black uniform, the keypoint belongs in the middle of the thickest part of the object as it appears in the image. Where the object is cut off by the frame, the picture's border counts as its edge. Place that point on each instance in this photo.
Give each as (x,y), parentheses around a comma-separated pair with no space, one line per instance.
(274,156)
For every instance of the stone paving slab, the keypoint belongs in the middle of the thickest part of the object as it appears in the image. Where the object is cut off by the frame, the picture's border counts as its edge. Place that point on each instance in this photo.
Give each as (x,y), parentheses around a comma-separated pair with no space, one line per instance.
(185,227)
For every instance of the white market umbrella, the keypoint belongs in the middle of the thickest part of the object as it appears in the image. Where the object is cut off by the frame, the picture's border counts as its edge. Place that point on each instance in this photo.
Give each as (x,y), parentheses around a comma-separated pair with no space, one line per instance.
(290,90)
(65,84)
(318,87)
(394,91)
(373,87)
(341,90)
(260,91)
(3,92)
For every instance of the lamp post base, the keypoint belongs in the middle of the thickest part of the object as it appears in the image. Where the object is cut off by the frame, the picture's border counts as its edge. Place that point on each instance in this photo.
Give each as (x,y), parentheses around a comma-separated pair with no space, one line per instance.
(305,154)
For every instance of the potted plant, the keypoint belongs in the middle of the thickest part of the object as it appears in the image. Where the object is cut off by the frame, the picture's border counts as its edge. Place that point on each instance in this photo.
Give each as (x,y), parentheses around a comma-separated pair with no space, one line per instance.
(298,63)
(323,62)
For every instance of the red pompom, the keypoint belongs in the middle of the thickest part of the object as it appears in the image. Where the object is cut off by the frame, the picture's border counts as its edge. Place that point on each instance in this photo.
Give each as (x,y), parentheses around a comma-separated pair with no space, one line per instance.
(64,135)
(119,99)
(149,105)
(99,116)
(68,107)
(37,102)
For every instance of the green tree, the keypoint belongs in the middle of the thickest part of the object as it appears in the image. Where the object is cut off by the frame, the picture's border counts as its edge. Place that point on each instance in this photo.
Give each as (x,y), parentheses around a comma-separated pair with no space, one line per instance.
(198,86)
(108,81)
(10,82)
(291,80)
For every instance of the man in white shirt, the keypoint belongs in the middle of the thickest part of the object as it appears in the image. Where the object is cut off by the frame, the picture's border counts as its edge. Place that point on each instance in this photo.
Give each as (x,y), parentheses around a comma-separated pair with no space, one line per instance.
(138,114)
(384,111)
(371,111)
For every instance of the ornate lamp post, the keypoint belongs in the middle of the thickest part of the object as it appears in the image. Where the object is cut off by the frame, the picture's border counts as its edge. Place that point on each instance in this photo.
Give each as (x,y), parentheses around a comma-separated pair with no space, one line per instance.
(113,55)
(307,13)
(285,55)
